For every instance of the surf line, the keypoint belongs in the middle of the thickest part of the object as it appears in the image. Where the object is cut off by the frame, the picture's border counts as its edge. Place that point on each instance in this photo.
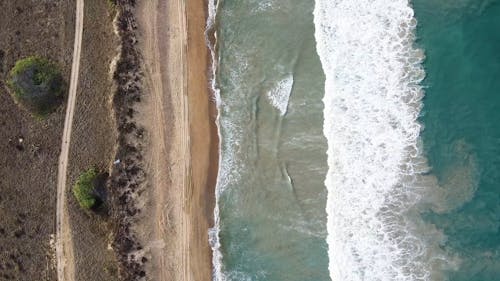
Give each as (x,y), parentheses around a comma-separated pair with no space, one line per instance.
(375,180)
(213,233)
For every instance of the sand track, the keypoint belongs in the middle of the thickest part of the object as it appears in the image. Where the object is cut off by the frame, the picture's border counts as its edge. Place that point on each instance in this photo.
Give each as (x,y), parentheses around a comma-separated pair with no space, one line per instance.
(178,114)
(64,243)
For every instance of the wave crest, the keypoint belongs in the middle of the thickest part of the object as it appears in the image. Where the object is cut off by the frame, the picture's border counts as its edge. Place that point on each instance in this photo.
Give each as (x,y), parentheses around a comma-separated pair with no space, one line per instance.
(280,94)
(372,103)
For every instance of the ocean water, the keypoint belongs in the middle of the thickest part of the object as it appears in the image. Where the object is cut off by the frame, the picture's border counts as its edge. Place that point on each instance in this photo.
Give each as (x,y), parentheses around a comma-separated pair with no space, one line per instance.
(271,195)
(377,173)
(359,140)
(461,115)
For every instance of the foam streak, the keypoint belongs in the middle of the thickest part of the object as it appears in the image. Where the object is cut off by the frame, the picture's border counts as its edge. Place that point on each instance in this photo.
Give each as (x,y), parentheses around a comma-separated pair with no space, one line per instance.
(279,96)
(213,233)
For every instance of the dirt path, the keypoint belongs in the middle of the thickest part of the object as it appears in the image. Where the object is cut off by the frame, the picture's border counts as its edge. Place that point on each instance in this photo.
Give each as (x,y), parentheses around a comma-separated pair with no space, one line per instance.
(64,244)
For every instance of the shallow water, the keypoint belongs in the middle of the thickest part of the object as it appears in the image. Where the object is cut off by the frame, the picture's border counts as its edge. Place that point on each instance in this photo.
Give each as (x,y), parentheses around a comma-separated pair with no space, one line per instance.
(271,191)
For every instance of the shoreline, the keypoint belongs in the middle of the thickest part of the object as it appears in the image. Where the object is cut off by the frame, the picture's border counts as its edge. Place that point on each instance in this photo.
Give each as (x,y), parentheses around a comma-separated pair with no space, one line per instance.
(199,90)
(182,154)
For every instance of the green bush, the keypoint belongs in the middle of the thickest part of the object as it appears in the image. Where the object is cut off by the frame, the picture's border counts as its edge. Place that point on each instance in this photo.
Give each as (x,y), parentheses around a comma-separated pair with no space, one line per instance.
(84,189)
(112,3)
(36,84)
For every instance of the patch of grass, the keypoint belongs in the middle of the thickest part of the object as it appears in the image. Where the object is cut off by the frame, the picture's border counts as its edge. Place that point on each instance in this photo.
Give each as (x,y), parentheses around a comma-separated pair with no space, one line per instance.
(112,4)
(110,269)
(84,189)
(36,84)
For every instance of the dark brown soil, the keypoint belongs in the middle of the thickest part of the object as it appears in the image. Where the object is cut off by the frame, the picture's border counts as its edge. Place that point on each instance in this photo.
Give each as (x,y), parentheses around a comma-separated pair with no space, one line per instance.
(29,149)
(104,130)
(93,143)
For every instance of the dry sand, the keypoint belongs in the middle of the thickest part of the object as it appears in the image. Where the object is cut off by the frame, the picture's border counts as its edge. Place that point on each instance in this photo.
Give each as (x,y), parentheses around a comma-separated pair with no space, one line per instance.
(182,155)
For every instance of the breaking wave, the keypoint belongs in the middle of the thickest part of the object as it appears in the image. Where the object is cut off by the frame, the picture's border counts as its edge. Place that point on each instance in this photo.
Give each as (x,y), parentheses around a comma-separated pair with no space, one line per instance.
(280,94)
(213,233)
(378,179)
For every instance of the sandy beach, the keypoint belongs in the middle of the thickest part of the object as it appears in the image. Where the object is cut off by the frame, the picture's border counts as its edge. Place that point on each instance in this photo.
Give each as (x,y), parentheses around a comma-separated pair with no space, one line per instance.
(182,158)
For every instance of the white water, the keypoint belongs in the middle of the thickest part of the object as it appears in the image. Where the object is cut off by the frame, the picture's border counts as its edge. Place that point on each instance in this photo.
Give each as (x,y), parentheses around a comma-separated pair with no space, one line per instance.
(375,179)
(213,233)
(280,94)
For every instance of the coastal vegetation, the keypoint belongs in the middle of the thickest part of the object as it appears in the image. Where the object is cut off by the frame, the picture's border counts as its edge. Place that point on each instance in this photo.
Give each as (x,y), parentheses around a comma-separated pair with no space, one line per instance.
(36,84)
(84,189)
(112,3)
(126,180)
(30,149)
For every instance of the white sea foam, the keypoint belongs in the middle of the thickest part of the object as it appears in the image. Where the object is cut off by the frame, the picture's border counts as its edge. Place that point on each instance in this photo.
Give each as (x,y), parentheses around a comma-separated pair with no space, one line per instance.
(280,94)
(213,233)
(376,178)
(263,5)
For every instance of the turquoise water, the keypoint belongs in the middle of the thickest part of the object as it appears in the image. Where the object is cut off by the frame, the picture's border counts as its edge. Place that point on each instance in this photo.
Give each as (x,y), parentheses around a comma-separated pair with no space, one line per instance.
(355,144)
(462,124)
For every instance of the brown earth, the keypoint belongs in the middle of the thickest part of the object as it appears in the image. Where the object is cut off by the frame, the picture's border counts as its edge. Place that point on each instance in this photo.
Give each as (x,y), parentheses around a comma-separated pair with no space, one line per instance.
(127,181)
(93,141)
(165,132)
(28,169)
